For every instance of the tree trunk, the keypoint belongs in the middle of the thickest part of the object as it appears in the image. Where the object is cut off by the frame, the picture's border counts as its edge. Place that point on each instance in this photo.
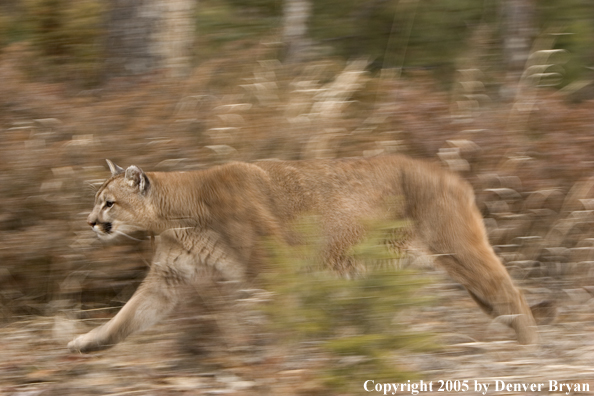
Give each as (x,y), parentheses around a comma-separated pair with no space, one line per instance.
(145,35)
(518,34)
(296,15)
(175,39)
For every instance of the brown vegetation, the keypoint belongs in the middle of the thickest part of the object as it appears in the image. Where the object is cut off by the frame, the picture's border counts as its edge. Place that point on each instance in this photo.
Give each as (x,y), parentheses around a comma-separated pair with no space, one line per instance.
(530,163)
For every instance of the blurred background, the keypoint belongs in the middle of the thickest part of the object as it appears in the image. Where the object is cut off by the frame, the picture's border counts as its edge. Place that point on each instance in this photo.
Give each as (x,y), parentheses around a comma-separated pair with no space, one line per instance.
(497,90)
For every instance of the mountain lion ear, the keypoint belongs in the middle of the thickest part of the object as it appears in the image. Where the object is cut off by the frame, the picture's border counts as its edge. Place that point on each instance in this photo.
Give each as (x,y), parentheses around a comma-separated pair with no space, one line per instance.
(136,178)
(115,170)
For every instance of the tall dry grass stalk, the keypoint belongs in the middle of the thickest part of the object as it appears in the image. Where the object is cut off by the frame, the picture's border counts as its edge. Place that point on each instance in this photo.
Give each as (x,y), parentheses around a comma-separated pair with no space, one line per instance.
(541,70)
(308,107)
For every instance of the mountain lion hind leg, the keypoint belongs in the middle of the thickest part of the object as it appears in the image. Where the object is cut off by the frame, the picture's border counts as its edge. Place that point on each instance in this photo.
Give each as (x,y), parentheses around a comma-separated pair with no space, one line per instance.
(494,291)
(451,226)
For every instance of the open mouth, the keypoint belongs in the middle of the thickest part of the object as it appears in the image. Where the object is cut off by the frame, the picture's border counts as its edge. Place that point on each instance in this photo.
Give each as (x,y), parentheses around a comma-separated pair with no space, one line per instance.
(106,231)
(102,229)
(107,228)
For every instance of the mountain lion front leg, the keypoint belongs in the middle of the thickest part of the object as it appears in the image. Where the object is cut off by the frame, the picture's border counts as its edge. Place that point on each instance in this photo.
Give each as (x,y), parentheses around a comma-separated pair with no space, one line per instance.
(153,300)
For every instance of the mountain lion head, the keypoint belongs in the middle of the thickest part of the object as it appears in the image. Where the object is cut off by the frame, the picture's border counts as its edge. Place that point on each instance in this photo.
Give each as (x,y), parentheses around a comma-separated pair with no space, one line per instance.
(121,204)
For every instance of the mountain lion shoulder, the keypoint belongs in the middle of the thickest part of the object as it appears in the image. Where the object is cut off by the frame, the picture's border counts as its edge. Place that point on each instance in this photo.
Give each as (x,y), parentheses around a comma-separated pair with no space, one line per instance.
(215,218)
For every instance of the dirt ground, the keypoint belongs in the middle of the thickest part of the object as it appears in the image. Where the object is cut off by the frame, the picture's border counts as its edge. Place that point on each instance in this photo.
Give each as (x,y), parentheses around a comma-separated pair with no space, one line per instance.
(34,359)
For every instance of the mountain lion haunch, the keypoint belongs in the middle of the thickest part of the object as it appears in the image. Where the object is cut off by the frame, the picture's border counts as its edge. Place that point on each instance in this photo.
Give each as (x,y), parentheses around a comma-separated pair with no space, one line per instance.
(215,217)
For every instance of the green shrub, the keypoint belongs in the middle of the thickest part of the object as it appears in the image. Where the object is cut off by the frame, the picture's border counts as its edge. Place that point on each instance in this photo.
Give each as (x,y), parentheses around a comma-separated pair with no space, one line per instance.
(354,320)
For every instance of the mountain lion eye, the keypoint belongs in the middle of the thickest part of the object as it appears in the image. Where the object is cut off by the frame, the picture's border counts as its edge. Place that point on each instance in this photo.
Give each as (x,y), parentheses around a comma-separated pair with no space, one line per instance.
(108,204)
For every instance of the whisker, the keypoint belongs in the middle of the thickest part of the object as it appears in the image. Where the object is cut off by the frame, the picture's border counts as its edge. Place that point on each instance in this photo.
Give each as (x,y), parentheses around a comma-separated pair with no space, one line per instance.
(93,185)
(128,236)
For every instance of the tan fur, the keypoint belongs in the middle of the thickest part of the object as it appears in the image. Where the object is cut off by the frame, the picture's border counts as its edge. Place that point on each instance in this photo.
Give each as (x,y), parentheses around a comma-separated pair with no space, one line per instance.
(214,218)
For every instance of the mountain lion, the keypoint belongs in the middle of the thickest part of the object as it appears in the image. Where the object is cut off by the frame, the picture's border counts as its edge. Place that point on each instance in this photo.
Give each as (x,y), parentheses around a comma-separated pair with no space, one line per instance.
(213,218)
